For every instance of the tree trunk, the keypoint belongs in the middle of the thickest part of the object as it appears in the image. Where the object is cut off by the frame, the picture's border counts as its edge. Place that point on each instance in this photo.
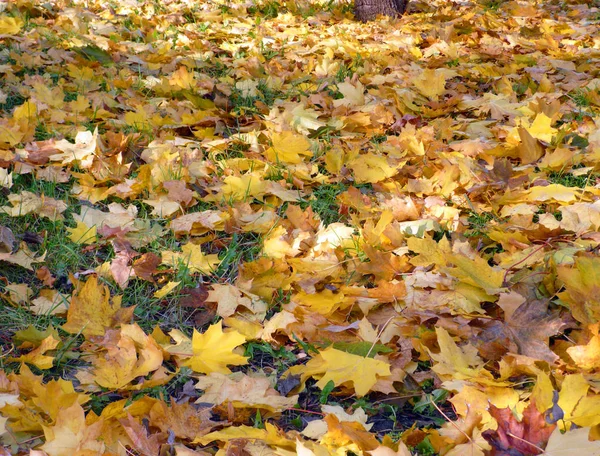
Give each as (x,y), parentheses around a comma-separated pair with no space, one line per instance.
(366,10)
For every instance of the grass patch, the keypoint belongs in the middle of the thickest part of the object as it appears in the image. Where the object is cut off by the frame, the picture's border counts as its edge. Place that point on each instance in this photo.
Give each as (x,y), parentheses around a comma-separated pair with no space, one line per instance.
(478,223)
(324,202)
(571,180)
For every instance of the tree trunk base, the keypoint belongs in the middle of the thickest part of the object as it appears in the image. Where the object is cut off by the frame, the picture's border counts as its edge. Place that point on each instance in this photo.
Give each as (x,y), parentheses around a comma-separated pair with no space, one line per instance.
(367,10)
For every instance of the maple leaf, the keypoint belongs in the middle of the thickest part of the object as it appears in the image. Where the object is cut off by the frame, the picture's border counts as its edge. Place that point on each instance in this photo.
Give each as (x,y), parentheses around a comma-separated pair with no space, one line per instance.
(353,94)
(288,147)
(129,354)
(38,356)
(454,361)
(575,441)
(527,436)
(10,25)
(148,445)
(23,257)
(192,257)
(30,203)
(587,356)
(242,391)
(212,350)
(541,129)
(82,151)
(82,234)
(526,330)
(91,311)
(340,368)
(71,435)
(229,298)
(582,288)
(431,83)
(270,435)
(342,433)
(317,428)
(184,420)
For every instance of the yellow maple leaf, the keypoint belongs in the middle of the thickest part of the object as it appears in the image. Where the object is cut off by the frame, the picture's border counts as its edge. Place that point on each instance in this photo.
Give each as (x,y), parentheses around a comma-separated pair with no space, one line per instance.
(38,356)
(476,272)
(70,435)
(164,291)
(10,25)
(182,78)
(288,147)
(91,311)
(342,367)
(324,302)
(541,128)
(213,350)
(432,83)
(582,288)
(371,168)
(587,356)
(353,94)
(192,257)
(454,362)
(82,234)
(270,435)
(249,185)
(26,113)
(129,354)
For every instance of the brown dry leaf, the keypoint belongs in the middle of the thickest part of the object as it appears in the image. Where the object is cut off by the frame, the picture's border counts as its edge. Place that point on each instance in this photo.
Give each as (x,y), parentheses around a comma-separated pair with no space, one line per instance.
(527,330)
(7,240)
(145,266)
(143,442)
(183,419)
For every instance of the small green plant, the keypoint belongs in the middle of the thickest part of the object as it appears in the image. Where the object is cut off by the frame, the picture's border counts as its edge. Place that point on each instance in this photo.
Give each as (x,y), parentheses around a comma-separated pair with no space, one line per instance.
(326,391)
(425,448)
(478,223)
(378,139)
(41,132)
(258,421)
(267,52)
(263,352)
(425,404)
(346,71)
(240,247)
(581,98)
(492,5)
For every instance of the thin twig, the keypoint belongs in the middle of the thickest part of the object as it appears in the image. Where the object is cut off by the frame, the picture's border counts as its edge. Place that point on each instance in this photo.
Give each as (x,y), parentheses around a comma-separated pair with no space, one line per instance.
(455,425)
(378,336)
(541,450)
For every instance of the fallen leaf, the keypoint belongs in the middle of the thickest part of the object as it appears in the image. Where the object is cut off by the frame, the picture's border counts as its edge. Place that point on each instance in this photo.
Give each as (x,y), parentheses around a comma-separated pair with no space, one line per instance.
(213,350)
